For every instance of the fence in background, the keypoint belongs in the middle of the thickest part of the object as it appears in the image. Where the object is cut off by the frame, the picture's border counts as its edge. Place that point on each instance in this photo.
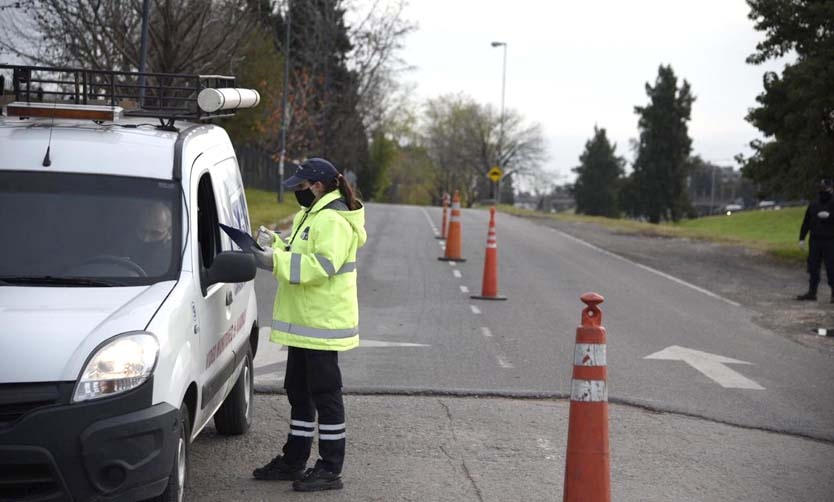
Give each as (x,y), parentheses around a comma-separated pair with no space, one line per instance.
(259,169)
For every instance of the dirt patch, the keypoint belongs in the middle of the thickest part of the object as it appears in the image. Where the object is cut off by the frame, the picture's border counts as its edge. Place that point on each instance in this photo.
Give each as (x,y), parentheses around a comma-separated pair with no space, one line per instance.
(760,282)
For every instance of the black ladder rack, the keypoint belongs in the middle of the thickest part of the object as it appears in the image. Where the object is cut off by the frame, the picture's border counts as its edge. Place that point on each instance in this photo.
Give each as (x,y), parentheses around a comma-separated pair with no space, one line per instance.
(165,96)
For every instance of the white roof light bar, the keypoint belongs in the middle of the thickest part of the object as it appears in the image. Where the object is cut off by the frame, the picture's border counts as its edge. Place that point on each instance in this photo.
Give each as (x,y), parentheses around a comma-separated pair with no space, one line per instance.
(60,110)
(212,100)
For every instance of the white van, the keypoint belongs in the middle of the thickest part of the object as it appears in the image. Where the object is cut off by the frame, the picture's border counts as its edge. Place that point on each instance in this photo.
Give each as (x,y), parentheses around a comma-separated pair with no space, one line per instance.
(127,317)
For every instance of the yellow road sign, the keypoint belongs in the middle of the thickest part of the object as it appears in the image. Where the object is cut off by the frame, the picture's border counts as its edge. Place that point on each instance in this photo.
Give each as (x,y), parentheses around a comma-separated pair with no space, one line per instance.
(495,173)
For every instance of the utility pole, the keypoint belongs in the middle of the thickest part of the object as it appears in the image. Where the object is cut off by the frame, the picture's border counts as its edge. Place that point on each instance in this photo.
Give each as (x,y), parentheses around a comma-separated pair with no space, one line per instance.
(284,111)
(143,50)
(501,126)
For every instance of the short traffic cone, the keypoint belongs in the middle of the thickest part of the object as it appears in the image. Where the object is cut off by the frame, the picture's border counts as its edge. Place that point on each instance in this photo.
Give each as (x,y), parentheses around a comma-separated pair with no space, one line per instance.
(453,247)
(587,470)
(489,289)
(445,212)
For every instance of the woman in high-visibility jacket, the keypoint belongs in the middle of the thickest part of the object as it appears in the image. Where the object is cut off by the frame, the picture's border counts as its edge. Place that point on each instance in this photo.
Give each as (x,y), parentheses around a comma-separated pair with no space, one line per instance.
(316,316)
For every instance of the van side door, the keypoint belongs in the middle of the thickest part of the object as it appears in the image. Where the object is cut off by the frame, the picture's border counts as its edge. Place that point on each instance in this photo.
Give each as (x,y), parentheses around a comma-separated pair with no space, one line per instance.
(215,360)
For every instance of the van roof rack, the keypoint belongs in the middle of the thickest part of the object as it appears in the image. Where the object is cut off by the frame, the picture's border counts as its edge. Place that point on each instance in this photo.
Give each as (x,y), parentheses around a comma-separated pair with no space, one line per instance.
(65,91)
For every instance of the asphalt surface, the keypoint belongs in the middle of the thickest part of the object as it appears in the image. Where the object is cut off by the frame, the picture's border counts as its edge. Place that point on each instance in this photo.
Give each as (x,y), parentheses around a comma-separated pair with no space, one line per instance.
(524,346)
(437,449)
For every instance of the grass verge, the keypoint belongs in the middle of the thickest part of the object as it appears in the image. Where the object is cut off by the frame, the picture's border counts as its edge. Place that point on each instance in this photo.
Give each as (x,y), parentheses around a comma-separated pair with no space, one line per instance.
(774,232)
(265,210)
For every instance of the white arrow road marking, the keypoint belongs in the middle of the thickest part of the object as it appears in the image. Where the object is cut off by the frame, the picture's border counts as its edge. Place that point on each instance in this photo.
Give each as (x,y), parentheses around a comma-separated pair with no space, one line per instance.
(711,365)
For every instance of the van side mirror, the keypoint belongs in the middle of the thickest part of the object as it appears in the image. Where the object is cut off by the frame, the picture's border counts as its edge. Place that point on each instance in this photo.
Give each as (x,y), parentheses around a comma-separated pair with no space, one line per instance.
(231,267)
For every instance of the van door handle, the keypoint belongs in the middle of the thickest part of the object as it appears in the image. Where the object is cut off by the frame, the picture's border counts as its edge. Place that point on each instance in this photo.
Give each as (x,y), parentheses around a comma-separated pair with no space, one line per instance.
(229,298)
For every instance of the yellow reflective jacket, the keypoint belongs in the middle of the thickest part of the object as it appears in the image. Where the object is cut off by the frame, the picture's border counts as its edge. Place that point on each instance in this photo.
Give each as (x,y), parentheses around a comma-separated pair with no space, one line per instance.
(317,306)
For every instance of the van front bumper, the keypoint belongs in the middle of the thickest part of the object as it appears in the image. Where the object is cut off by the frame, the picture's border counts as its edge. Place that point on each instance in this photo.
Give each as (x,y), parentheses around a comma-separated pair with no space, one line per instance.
(112,449)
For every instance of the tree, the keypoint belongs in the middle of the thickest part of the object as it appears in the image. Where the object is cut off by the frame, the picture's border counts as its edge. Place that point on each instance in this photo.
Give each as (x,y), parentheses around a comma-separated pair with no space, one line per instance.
(184,36)
(260,68)
(598,177)
(462,139)
(657,186)
(796,109)
(411,177)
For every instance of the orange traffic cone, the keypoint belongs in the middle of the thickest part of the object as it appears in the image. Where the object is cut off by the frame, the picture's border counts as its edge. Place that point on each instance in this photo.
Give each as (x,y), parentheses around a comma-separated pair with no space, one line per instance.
(453,247)
(445,212)
(489,289)
(587,470)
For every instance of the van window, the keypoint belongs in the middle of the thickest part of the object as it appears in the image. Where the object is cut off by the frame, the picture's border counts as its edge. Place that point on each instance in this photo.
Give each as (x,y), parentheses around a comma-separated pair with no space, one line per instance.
(208,230)
(62,229)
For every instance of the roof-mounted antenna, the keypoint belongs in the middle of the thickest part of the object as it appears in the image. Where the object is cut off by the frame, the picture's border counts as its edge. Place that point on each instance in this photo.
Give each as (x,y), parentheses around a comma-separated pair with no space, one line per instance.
(46,160)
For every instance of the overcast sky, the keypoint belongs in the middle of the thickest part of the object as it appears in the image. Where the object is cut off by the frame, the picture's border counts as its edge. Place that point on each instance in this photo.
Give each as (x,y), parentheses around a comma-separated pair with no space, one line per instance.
(573,64)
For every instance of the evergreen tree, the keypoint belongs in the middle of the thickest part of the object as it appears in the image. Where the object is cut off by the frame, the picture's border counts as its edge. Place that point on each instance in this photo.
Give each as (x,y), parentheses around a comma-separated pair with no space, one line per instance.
(796,109)
(598,177)
(660,169)
(324,115)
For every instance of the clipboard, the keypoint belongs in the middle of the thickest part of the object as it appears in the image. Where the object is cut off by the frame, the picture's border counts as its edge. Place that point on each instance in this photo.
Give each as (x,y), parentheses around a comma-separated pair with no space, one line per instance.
(242,239)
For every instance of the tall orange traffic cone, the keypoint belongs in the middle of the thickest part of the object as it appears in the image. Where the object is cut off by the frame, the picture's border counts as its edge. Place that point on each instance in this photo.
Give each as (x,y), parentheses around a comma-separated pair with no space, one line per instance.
(489,288)
(587,470)
(445,212)
(453,247)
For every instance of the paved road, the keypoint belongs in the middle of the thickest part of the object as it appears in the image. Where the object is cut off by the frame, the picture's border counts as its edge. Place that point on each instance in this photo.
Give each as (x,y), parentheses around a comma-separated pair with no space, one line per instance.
(433,449)
(525,345)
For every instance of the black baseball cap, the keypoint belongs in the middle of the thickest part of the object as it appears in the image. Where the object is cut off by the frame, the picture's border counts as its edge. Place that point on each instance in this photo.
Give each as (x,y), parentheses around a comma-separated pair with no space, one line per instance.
(312,170)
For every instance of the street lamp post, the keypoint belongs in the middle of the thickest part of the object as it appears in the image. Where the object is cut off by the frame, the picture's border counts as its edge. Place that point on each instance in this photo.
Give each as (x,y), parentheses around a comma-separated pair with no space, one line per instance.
(284,114)
(143,50)
(501,126)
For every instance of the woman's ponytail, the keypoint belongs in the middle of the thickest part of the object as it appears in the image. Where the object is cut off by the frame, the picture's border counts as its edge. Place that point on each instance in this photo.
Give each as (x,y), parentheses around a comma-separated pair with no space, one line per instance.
(345,190)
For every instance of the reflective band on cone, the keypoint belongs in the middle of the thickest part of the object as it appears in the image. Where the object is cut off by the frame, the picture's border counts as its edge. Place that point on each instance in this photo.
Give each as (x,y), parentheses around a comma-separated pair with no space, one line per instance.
(587,469)
(453,239)
(444,227)
(489,288)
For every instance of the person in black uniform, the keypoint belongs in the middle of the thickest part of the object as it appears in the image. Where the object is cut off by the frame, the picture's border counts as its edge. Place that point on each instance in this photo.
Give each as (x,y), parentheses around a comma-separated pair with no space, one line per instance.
(819,221)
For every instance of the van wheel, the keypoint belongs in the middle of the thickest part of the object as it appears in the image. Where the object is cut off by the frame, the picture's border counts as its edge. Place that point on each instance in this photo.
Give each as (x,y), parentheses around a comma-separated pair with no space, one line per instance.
(175,490)
(235,415)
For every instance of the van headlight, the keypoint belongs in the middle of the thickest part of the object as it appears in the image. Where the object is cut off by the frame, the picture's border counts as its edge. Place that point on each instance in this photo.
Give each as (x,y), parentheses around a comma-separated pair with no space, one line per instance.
(123,363)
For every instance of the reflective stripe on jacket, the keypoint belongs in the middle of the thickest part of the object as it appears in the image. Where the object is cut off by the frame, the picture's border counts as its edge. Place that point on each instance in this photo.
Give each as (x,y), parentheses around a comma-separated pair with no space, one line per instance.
(317,306)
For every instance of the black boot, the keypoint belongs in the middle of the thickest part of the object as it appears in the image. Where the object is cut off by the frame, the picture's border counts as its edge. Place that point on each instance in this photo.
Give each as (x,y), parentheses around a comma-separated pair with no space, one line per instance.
(278,470)
(809,296)
(318,479)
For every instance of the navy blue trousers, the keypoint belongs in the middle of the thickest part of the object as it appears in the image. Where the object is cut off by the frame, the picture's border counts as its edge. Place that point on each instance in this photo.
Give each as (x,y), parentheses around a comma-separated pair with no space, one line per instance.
(314,386)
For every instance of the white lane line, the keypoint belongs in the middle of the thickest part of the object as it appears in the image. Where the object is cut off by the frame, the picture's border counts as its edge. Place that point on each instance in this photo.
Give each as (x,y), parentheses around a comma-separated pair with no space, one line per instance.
(502,361)
(457,273)
(649,269)
(452,264)
(486,332)
(431,223)
(464,289)
(475,310)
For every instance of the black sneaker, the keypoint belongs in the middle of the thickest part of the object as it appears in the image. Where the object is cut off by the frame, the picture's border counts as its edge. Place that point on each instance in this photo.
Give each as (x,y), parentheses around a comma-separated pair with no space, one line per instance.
(278,470)
(318,479)
(807,297)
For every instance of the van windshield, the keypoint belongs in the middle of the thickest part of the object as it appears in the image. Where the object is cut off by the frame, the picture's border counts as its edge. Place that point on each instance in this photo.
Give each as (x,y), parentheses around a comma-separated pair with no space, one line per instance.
(63,229)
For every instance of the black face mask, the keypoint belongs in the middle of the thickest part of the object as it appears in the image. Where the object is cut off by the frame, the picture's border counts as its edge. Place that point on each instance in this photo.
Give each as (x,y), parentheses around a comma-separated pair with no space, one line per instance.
(305,197)
(825,196)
